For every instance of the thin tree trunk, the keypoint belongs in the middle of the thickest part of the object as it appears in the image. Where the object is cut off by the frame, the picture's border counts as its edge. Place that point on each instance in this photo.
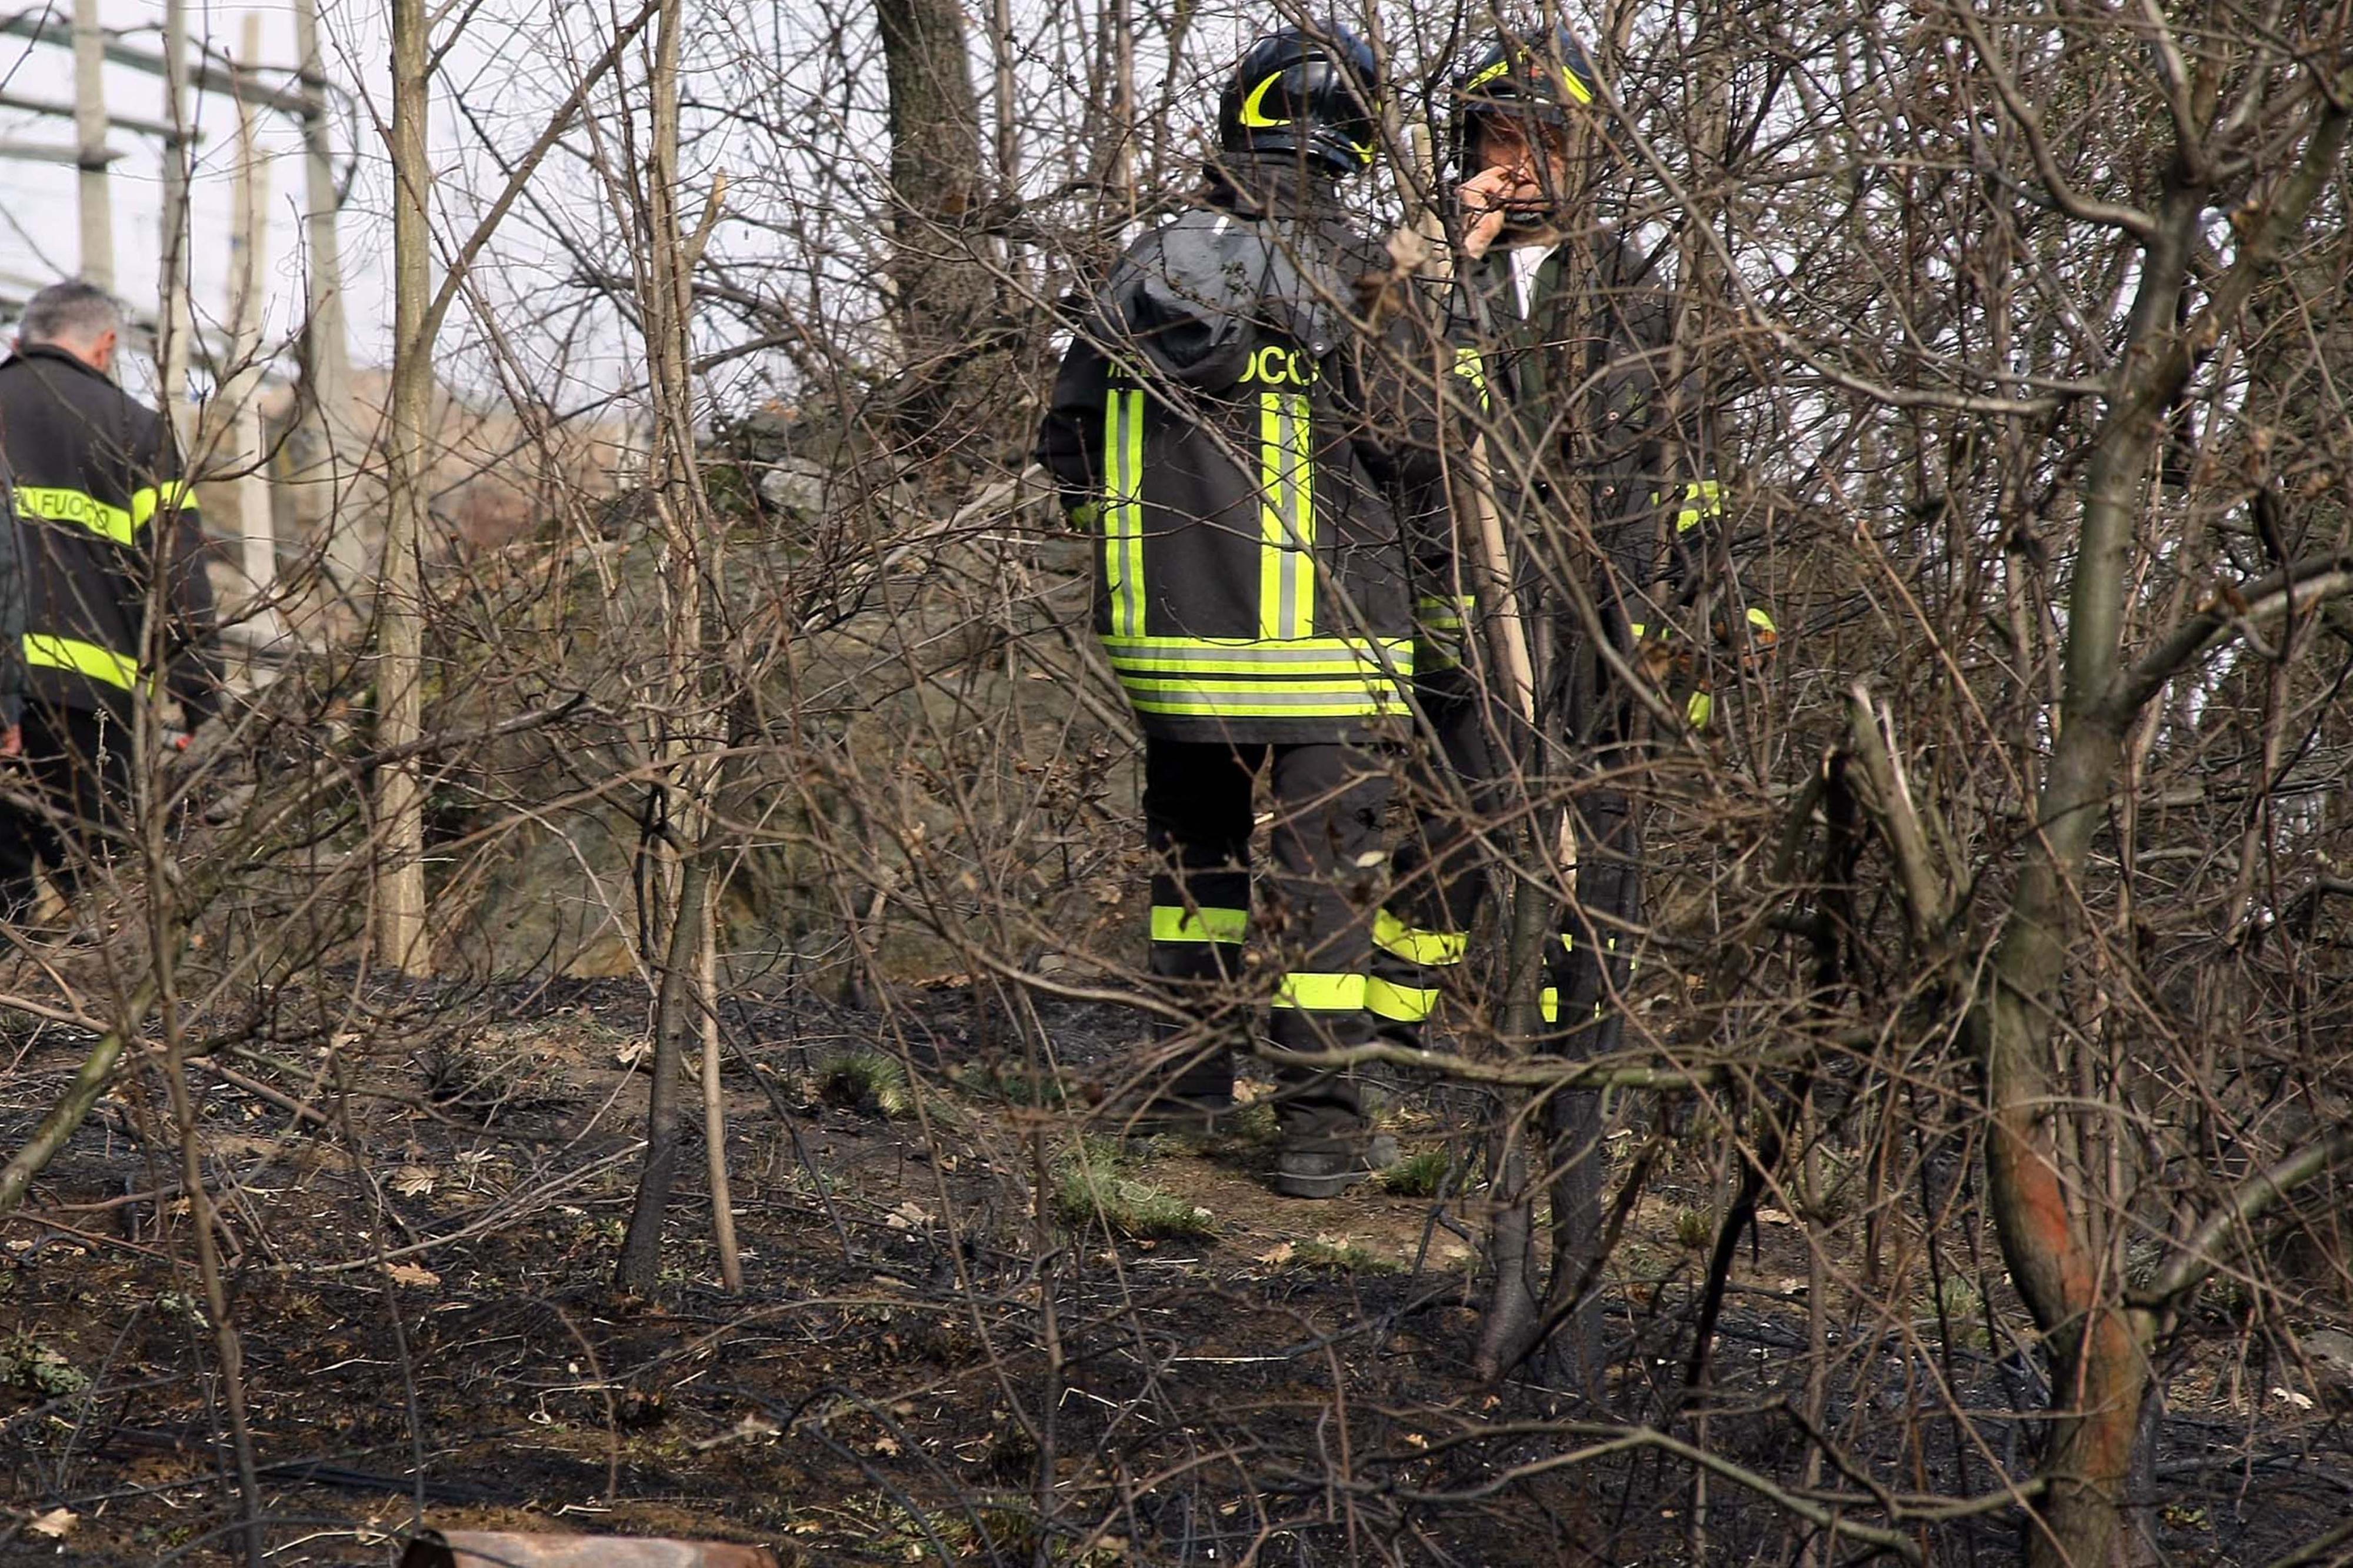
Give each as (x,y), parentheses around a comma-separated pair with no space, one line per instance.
(172,314)
(640,1265)
(715,1108)
(688,996)
(400,936)
(2042,1208)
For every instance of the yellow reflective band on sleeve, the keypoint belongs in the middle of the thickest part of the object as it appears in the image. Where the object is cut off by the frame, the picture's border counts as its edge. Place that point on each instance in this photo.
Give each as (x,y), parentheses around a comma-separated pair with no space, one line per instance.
(1286,584)
(85,658)
(1443,613)
(48,503)
(1702,500)
(1123,512)
(1548,1005)
(1472,366)
(177,496)
(1171,922)
(1402,1003)
(1312,993)
(1394,937)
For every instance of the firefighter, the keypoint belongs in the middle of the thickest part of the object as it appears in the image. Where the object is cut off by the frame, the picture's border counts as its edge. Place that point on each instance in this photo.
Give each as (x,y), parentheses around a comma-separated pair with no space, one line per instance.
(1566,347)
(1214,426)
(116,596)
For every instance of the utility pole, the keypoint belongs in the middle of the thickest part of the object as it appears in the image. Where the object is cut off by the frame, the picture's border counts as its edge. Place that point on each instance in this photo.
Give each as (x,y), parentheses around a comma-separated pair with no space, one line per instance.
(329,445)
(89,147)
(259,627)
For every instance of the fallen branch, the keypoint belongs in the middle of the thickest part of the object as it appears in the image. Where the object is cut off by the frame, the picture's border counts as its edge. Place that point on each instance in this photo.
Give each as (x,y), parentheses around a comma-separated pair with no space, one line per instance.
(2201,1254)
(1620,1439)
(1594,1073)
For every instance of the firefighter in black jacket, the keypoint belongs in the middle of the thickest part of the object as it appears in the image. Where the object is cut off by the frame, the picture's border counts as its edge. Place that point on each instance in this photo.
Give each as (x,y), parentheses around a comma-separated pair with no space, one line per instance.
(117,600)
(1216,426)
(1568,346)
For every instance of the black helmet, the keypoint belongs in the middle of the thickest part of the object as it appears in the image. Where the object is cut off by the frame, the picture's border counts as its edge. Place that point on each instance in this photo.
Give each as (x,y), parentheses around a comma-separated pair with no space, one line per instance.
(1305,90)
(1530,78)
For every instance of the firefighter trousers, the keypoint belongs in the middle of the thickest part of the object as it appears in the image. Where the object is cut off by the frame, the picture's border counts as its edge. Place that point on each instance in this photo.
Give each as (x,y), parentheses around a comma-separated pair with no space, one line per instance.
(1329,864)
(76,768)
(1458,785)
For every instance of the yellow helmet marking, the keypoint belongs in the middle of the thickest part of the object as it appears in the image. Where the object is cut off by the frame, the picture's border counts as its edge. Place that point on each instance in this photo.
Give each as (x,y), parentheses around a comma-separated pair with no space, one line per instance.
(1253,114)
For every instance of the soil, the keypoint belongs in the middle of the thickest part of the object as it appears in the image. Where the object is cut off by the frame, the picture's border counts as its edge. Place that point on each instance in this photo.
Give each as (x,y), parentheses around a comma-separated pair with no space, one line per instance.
(928,1362)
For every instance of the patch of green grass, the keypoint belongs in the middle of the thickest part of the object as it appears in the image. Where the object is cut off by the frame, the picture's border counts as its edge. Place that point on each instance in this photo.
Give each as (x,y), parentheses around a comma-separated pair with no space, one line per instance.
(1695,1229)
(28,1365)
(867,1081)
(1253,1126)
(1964,1310)
(1094,1185)
(1418,1175)
(1341,1255)
(1009,1086)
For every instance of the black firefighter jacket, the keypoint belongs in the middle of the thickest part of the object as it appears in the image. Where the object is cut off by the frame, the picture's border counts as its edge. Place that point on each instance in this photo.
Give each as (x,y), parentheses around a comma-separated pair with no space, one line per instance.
(99,503)
(1602,458)
(1230,439)
(1578,344)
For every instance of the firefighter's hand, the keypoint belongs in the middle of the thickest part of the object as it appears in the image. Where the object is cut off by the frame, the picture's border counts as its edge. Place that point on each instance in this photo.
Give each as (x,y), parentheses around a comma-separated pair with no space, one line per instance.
(12,741)
(1487,198)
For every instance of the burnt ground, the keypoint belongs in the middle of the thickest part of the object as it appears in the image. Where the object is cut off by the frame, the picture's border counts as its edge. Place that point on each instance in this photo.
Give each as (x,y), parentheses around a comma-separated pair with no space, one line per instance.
(929,1361)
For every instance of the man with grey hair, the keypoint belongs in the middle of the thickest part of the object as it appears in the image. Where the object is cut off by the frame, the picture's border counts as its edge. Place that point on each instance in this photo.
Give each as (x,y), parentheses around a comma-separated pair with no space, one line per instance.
(117,605)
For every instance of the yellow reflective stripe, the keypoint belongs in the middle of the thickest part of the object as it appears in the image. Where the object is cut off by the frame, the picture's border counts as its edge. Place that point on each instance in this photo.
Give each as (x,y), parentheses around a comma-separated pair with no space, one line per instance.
(1286,657)
(1260,699)
(1134,574)
(1404,1004)
(1286,705)
(1576,85)
(1548,1005)
(1490,74)
(48,503)
(1702,500)
(1171,922)
(1299,561)
(1312,993)
(1286,574)
(1393,936)
(1472,366)
(1269,514)
(1123,513)
(178,495)
(86,659)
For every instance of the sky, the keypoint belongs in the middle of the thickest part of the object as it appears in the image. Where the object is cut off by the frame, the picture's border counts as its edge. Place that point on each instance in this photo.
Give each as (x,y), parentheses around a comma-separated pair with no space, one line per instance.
(39,227)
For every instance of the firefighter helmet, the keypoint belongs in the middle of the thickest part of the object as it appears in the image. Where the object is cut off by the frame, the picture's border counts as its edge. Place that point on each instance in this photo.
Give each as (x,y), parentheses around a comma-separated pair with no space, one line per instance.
(1305,92)
(1526,78)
